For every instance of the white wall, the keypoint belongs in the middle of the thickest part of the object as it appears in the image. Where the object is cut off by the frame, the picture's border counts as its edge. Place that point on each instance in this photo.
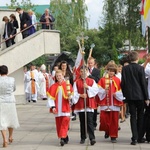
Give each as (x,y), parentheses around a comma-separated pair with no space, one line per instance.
(40,43)
(19,80)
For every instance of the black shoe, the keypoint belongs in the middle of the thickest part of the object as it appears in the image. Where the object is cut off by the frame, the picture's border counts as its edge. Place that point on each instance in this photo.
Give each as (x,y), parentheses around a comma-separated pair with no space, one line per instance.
(82,141)
(66,140)
(119,128)
(29,101)
(44,98)
(92,141)
(113,140)
(106,136)
(74,118)
(141,141)
(34,101)
(122,121)
(62,142)
(133,142)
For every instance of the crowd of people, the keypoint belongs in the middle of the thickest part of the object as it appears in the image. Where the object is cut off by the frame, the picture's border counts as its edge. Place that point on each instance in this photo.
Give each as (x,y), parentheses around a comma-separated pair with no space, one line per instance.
(28,24)
(121,90)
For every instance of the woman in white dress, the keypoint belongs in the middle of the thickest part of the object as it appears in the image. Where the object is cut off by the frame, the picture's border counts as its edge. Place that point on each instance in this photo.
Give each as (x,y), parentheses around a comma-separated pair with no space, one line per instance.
(8,113)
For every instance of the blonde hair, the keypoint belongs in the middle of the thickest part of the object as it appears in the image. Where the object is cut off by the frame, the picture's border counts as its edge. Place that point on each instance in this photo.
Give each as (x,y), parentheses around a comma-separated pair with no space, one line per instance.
(91,58)
(30,12)
(111,62)
(59,71)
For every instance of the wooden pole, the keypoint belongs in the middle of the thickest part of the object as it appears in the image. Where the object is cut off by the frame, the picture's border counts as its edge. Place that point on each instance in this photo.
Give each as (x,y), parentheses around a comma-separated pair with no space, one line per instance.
(147,48)
(82,38)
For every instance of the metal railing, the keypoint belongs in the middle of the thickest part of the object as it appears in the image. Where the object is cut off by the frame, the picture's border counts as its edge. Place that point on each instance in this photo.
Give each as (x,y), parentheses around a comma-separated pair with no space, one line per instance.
(25,30)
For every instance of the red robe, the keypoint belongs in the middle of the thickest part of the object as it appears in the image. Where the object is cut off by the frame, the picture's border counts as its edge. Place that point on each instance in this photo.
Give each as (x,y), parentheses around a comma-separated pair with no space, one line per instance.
(109,119)
(62,122)
(115,88)
(90,102)
(53,94)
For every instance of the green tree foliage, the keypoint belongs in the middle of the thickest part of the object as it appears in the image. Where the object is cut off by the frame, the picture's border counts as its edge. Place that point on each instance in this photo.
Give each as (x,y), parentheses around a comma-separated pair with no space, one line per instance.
(70,19)
(121,22)
(24,4)
(132,22)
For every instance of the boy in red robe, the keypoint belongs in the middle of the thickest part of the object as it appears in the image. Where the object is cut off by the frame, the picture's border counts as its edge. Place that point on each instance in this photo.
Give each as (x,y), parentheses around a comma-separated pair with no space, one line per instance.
(59,95)
(110,101)
(79,98)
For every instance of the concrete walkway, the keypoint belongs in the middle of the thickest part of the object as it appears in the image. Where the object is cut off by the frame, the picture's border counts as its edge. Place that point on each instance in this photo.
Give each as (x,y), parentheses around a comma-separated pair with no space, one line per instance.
(37,132)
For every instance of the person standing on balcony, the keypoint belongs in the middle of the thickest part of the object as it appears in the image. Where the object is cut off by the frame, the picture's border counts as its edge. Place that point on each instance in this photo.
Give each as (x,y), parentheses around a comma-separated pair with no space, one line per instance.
(14,22)
(46,20)
(33,22)
(8,31)
(25,21)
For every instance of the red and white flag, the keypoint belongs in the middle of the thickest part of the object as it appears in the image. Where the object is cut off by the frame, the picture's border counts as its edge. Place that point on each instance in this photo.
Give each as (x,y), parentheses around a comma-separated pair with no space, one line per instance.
(142,7)
(147,12)
(78,64)
(142,17)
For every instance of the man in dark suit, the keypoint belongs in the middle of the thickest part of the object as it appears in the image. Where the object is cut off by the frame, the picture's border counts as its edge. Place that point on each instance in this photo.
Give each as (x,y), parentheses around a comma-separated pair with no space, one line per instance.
(25,21)
(134,89)
(8,31)
(94,74)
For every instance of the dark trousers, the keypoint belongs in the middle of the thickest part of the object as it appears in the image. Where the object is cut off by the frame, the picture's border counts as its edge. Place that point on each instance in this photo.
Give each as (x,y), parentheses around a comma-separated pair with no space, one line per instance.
(146,127)
(8,43)
(95,118)
(13,40)
(136,109)
(25,34)
(90,126)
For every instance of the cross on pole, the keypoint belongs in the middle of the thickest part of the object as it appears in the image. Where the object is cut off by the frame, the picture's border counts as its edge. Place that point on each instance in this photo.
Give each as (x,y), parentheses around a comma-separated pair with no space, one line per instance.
(81,39)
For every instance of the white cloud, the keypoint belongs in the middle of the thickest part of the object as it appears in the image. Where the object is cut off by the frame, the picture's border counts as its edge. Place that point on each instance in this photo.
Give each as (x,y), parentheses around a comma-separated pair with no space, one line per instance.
(94,9)
(94,12)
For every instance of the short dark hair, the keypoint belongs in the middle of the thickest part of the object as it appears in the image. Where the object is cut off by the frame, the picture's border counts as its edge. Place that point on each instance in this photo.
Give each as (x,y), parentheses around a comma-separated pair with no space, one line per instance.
(5,18)
(13,16)
(133,56)
(18,9)
(3,70)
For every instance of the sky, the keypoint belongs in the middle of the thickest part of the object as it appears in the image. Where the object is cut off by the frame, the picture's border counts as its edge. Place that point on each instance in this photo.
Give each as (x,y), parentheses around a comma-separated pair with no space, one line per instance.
(93,14)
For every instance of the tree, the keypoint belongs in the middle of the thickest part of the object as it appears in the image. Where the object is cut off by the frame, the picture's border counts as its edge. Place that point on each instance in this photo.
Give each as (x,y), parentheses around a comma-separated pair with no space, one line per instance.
(112,28)
(69,19)
(132,22)
(24,4)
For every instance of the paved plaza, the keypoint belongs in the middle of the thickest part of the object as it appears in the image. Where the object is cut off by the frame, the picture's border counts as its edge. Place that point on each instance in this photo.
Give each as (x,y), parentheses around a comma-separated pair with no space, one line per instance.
(37,132)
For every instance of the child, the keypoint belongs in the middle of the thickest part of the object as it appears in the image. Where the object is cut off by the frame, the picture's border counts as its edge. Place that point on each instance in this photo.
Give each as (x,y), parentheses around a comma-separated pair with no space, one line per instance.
(91,89)
(110,101)
(59,95)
